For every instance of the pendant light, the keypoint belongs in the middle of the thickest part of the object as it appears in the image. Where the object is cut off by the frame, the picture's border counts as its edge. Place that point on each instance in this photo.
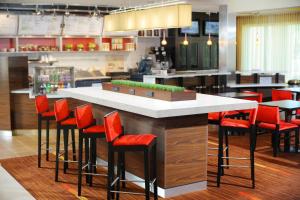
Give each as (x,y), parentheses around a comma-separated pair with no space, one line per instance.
(164,41)
(257,41)
(209,41)
(7,13)
(185,41)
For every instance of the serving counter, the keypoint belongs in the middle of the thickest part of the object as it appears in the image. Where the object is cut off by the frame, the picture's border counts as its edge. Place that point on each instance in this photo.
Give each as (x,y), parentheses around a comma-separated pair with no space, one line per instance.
(181,128)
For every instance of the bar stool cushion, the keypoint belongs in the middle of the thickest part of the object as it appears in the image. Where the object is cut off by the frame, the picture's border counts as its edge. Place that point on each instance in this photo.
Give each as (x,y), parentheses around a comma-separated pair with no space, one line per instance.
(282,126)
(95,129)
(237,123)
(70,121)
(134,140)
(48,114)
(296,121)
(232,113)
(215,116)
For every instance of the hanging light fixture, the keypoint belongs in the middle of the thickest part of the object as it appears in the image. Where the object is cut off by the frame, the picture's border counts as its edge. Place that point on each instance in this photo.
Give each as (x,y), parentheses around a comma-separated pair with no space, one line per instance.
(162,16)
(185,41)
(67,12)
(37,11)
(257,41)
(209,41)
(164,41)
(7,13)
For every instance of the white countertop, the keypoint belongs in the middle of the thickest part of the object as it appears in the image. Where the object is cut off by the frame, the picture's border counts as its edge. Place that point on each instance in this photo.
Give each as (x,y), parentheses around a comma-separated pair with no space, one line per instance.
(188,74)
(256,85)
(156,108)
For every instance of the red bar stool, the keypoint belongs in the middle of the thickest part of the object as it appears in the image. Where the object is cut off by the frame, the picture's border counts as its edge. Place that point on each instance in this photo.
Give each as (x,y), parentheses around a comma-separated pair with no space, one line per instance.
(258,99)
(271,122)
(44,114)
(228,124)
(278,95)
(88,131)
(121,143)
(66,122)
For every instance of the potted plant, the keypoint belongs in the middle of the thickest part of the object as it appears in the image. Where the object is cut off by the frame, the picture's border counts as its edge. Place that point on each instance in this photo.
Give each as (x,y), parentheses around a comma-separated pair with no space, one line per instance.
(92,46)
(80,47)
(69,47)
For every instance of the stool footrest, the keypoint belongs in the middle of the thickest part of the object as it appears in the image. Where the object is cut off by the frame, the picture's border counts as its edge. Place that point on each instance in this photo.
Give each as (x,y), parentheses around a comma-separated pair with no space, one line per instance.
(213,148)
(241,166)
(70,161)
(105,175)
(214,155)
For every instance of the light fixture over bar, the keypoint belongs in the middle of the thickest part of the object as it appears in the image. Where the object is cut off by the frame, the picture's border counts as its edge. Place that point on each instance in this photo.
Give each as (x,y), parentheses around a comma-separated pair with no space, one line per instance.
(163,17)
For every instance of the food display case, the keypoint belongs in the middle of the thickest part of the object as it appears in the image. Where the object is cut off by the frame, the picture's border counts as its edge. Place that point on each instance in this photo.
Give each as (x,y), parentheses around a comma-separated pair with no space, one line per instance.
(48,79)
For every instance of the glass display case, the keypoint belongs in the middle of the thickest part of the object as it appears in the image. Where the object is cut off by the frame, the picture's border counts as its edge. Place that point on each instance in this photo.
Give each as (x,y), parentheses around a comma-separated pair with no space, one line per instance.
(48,79)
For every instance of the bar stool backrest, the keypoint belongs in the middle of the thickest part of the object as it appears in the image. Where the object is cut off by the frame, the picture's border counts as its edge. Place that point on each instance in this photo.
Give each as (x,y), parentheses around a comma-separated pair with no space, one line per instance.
(278,95)
(84,116)
(253,116)
(61,110)
(41,104)
(113,126)
(259,97)
(268,114)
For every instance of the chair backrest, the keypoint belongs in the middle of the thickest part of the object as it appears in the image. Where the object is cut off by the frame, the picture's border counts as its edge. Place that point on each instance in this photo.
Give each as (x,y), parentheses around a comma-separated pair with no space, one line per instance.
(61,110)
(113,126)
(253,116)
(84,116)
(268,114)
(41,104)
(259,97)
(278,95)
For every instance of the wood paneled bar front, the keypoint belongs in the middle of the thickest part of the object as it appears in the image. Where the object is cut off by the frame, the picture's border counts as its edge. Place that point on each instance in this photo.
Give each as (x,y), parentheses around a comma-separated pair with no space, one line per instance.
(181,128)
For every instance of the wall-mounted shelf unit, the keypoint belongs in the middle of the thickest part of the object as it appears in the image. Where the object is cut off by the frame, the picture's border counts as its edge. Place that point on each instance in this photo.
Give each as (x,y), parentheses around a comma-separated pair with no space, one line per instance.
(37,44)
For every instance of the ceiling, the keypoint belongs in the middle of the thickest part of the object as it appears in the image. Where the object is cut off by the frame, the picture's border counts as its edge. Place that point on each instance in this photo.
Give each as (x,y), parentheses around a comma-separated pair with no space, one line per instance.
(198,5)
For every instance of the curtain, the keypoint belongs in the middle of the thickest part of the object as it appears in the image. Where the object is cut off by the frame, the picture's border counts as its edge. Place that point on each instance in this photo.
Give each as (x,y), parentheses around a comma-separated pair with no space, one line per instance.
(269,43)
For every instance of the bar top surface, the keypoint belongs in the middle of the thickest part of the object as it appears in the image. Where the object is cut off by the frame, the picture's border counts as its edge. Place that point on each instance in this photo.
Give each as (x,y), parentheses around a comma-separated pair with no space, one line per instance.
(156,108)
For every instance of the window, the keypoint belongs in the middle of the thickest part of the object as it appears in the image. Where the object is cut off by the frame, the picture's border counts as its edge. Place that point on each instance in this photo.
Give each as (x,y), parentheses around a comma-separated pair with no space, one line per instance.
(269,44)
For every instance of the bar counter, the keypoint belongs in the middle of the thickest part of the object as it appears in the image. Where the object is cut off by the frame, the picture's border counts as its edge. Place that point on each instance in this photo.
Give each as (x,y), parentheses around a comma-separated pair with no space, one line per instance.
(181,128)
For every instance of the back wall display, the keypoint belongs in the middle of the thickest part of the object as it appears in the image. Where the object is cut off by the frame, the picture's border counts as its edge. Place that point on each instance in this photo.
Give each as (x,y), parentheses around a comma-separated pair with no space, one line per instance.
(79,25)
(39,25)
(8,24)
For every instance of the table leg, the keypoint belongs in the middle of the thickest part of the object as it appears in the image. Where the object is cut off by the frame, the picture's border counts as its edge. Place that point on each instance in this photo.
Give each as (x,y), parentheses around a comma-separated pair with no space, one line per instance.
(288,116)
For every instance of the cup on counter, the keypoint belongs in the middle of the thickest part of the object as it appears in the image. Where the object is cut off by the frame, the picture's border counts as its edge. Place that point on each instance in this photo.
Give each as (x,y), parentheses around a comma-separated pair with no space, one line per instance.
(4,50)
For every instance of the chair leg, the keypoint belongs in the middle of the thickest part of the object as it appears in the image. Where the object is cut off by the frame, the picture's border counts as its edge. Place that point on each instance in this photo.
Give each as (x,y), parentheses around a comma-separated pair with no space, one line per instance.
(220,155)
(251,137)
(275,144)
(57,153)
(91,160)
(86,146)
(73,144)
(95,155)
(39,141)
(123,169)
(297,140)
(47,140)
(154,165)
(119,169)
(146,171)
(66,152)
(227,148)
(110,176)
(80,164)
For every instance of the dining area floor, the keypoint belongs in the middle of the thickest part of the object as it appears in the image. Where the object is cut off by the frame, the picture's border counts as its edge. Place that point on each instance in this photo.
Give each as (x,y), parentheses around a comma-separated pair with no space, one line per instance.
(276,177)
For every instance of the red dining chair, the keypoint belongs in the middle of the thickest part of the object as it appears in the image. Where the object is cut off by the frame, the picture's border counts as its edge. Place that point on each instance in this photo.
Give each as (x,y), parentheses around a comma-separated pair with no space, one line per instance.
(44,114)
(268,119)
(237,125)
(122,143)
(278,95)
(66,122)
(90,132)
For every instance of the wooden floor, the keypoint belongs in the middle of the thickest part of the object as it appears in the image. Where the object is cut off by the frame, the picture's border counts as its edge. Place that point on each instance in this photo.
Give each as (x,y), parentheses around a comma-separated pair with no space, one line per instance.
(276,178)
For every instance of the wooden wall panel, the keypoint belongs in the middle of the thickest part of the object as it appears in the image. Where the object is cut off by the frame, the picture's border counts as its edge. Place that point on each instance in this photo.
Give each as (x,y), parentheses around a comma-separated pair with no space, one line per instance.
(18,72)
(5,120)
(186,155)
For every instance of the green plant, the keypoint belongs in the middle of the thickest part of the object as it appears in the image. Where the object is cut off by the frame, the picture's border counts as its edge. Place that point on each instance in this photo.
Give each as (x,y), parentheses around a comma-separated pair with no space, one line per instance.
(92,45)
(69,46)
(80,46)
(168,88)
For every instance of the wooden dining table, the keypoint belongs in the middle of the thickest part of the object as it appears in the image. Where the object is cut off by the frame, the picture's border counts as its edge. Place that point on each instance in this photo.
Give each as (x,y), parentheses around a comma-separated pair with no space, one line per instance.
(288,106)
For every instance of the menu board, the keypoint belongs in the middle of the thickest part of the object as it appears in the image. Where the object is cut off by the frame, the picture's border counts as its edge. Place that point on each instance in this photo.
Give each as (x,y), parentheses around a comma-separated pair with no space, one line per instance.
(79,25)
(40,25)
(8,24)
